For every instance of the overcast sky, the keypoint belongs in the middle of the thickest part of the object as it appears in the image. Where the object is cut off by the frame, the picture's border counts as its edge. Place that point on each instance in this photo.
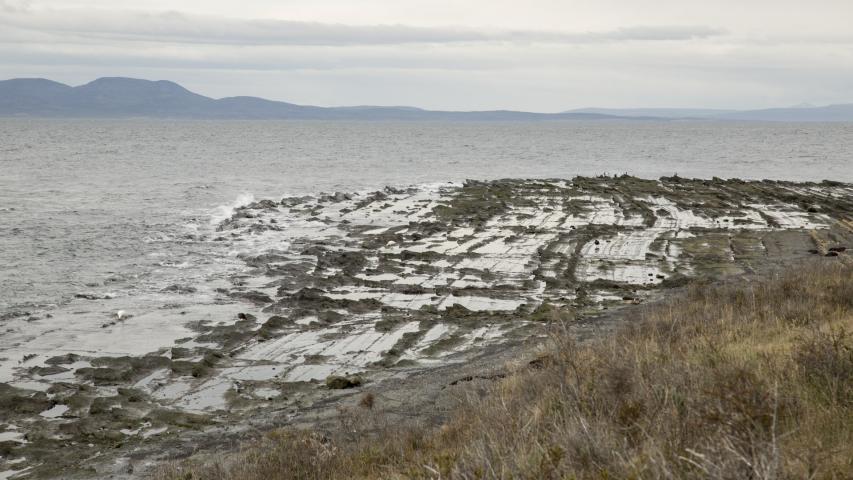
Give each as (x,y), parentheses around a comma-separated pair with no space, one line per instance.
(538,55)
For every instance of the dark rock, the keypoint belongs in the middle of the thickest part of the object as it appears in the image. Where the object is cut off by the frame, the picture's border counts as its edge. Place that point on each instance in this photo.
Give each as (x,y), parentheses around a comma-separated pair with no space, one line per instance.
(263,205)
(349,261)
(194,369)
(264,259)
(184,289)
(51,370)
(257,298)
(277,321)
(329,316)
(63,359)
(92,296)
(262,227)
(180,352)
(336,382)
(103,375)
(293,201)
(21,401)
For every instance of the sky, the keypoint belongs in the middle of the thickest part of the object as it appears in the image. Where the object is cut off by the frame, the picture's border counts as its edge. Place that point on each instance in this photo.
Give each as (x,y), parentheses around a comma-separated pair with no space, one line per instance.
(534,55)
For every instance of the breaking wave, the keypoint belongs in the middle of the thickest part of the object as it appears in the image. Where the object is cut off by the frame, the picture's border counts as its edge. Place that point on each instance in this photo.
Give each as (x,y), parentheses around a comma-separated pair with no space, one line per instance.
(224,212)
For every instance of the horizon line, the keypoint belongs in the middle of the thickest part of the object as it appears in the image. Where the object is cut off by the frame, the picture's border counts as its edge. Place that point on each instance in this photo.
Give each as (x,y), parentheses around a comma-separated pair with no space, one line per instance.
(804,105)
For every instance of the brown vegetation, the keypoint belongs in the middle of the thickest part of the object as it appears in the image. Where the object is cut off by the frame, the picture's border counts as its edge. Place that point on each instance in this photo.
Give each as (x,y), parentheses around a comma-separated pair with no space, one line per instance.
(738,380)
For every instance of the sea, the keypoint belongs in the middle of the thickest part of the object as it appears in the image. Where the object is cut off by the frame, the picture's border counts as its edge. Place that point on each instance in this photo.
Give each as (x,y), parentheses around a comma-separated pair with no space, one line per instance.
(123,208)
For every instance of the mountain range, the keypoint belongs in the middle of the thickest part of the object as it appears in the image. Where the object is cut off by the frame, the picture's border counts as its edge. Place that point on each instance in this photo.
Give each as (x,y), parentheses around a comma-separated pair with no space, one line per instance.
(114,97)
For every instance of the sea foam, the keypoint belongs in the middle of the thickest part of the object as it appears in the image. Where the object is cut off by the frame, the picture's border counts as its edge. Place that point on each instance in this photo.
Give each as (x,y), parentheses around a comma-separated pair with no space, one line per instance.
(224,212)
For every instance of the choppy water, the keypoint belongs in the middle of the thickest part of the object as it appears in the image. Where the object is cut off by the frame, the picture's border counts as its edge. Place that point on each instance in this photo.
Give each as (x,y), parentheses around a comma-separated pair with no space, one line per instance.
(118,207)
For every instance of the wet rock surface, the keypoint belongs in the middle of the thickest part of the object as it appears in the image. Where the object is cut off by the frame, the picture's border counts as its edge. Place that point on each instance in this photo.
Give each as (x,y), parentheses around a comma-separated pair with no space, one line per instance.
(348,291)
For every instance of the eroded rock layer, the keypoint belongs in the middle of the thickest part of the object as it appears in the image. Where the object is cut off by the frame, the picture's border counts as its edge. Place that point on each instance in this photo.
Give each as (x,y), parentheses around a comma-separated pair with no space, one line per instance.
(346,289)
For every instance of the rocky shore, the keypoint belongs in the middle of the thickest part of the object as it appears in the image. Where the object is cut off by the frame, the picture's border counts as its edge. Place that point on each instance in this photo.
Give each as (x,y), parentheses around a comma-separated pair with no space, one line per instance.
(398,292)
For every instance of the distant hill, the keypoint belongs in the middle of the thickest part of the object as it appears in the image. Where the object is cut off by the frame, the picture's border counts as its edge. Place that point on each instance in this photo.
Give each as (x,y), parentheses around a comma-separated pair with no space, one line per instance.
(115,97)
(33,96)
(656,112)
(829,113)
(128,97)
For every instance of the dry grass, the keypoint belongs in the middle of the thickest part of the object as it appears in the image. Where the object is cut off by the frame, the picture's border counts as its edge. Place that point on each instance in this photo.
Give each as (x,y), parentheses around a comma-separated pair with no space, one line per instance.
(745,380)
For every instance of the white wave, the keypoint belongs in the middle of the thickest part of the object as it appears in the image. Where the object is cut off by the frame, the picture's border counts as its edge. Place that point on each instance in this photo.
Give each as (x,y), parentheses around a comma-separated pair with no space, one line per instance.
(224,212)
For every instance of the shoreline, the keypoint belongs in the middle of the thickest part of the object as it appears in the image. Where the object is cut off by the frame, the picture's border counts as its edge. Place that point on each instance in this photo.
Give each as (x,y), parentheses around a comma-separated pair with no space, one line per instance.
(377,285)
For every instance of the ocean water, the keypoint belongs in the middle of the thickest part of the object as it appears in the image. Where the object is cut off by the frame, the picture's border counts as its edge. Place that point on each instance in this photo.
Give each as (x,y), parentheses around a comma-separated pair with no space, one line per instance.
(120,208)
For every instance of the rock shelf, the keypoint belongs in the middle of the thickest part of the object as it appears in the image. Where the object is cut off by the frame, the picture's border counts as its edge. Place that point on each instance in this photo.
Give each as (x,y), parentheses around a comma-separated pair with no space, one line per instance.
(376,284)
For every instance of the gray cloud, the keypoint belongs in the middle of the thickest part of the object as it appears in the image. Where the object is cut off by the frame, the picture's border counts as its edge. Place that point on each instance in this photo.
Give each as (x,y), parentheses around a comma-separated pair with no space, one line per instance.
(664,60)
(19,6)
(640,33)
(178,27)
